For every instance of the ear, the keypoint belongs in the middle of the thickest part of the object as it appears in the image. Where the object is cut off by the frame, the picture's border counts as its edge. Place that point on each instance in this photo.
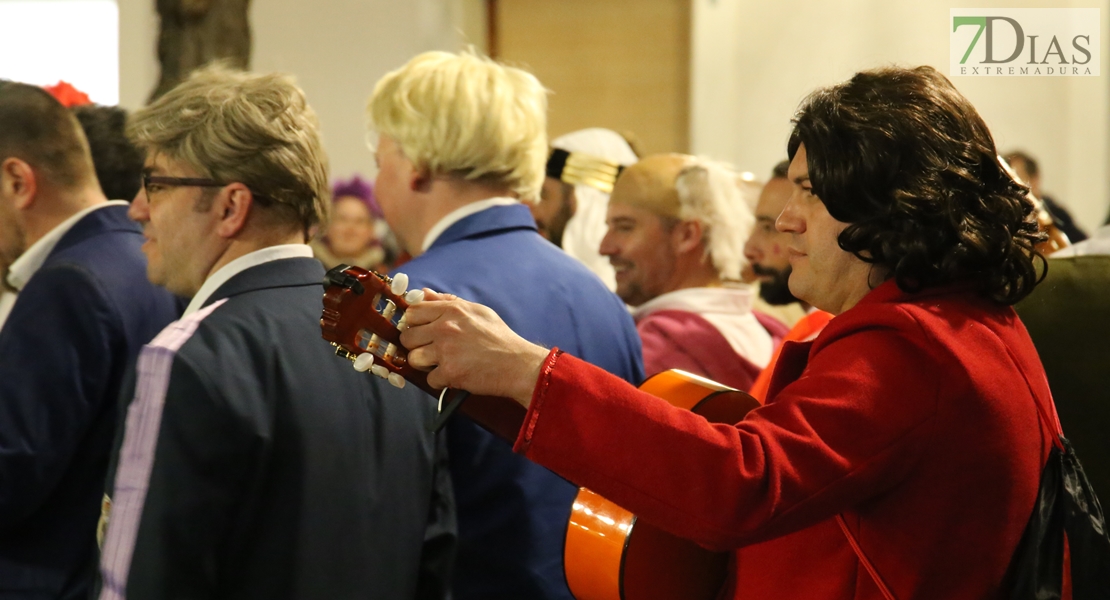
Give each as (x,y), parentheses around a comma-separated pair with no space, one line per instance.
(18,182)
(572,200)
(687,236)
(232,206)
(419,180)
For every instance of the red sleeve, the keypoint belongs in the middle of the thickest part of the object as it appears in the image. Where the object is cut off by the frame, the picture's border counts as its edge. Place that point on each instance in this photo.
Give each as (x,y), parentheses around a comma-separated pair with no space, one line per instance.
(852,426)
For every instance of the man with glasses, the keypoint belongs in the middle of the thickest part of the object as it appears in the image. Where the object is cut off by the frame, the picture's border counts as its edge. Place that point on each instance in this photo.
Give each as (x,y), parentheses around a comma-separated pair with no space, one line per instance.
(255,463)
(83,312)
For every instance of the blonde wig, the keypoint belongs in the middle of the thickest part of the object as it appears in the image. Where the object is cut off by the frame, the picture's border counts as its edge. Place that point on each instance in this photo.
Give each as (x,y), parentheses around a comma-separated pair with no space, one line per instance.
(467,116)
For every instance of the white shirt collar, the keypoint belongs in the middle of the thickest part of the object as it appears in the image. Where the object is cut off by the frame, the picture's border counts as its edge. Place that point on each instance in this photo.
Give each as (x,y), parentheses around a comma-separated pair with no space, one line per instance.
(459,214)
(730,298)
(31,260)
(233,268)
(7,300)
(728,308)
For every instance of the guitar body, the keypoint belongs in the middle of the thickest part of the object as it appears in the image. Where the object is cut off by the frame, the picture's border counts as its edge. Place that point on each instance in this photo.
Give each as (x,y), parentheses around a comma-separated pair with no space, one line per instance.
(610,555)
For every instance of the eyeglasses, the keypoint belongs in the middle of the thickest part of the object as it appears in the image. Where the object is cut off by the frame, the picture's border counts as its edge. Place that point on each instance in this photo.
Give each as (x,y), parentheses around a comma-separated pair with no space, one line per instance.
(149,180)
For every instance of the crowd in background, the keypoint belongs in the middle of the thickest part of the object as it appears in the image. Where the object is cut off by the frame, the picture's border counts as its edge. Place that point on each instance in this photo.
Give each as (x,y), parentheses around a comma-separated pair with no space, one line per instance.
(193,421)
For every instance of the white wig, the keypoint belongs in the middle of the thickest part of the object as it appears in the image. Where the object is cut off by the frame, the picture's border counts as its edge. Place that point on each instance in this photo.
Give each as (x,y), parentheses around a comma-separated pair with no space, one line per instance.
(708,192)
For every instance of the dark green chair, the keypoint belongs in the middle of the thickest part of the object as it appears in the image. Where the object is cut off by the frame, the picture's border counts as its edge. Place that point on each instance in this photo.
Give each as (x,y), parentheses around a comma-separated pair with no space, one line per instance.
(1068,317)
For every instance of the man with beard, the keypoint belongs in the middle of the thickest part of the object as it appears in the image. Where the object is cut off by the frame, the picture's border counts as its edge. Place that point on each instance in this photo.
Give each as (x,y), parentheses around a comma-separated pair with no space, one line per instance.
(766,246)
(676,229)
(907,443)
(581,170)
(83,311)
(766,251)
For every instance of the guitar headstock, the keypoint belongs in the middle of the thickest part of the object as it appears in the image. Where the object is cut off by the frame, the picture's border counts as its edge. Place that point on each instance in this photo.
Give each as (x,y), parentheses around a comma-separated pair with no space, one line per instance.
(363,316)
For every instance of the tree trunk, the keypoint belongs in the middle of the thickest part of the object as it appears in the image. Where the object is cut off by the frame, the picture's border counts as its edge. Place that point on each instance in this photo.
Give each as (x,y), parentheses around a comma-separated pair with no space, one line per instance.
(197,32)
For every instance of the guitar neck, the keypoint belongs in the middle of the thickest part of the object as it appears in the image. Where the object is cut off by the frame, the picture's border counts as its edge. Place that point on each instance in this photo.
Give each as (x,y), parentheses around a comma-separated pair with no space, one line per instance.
(500,416)
(354,321)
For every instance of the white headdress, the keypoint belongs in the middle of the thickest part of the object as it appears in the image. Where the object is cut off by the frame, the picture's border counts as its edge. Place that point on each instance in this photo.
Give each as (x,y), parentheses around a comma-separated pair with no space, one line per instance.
(583,233)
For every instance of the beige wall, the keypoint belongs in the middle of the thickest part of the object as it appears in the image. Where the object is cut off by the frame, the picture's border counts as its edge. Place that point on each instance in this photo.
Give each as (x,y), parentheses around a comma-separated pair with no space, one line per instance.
(337,50)
(750,63)
(621,64)
(340,48)
(753,61)
(138,61)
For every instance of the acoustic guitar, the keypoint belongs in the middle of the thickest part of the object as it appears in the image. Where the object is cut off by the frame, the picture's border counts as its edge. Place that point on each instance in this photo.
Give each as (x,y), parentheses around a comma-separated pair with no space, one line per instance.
(609,554)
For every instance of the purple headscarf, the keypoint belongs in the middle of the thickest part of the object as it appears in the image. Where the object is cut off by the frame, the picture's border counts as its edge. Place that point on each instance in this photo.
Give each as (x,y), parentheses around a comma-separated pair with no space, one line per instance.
(357,187)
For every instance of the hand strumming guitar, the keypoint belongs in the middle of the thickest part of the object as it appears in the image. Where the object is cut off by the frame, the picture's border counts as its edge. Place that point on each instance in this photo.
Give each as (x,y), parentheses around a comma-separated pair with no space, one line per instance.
(466,346)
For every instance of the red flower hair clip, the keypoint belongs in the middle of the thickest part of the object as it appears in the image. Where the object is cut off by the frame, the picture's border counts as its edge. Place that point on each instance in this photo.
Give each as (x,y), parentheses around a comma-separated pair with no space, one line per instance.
(68,95)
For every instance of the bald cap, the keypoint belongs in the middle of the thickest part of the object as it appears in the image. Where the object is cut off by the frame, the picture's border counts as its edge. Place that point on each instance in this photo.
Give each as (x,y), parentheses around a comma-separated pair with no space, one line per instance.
(685,188)
(650,184)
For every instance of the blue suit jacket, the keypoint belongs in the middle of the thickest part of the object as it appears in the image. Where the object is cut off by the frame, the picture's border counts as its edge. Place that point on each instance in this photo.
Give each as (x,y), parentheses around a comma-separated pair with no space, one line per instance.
(513,513)
(75,327)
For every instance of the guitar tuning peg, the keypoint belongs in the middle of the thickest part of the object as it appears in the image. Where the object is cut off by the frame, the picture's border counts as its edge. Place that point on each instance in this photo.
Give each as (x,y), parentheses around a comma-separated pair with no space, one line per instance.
(400,284)
(396,380)
(380,371)
(364,362)
(414,296)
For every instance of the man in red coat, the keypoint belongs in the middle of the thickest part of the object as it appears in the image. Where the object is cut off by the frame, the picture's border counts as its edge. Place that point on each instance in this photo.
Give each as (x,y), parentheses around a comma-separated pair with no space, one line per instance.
(899,454)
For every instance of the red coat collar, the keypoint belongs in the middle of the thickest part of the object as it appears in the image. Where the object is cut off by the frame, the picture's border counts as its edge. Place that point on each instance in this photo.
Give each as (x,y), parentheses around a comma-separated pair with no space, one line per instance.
(794,356)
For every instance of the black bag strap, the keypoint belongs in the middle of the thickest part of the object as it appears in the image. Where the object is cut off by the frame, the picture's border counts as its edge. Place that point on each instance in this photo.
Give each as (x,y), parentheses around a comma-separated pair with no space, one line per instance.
(1061,444)
(1066,512)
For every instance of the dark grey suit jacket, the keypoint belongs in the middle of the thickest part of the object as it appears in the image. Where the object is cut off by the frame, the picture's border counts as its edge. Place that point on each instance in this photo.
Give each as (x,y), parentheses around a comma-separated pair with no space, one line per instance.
(277,470)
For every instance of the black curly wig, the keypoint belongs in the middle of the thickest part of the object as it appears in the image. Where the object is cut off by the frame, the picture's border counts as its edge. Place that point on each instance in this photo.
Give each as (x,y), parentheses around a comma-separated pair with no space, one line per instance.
(908,163)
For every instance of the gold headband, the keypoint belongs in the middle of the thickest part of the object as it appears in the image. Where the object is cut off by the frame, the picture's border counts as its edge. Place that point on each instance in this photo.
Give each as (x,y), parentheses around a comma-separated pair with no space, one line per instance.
(576,168)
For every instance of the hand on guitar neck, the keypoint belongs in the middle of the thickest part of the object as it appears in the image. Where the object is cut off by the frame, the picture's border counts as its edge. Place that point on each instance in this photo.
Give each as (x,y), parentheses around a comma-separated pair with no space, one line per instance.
(438,341)
(435,341)
(467,346)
